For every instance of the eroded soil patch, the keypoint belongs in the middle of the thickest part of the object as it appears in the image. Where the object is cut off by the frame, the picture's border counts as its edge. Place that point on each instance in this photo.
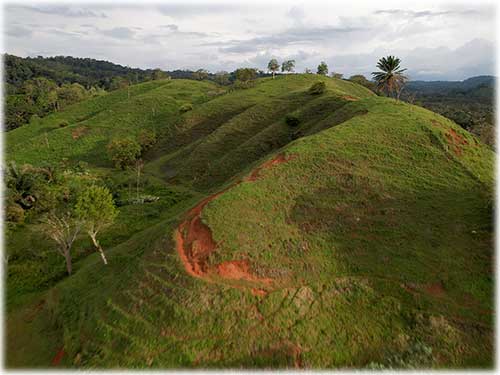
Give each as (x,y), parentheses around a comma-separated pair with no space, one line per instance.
(195,244)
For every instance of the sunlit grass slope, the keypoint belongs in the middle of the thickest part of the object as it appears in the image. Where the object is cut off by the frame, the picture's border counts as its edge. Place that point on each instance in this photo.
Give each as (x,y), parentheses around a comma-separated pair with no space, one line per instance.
(376,230)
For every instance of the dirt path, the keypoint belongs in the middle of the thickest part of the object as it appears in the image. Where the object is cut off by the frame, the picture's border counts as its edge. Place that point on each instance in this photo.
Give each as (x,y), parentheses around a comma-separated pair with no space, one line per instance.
(194,243)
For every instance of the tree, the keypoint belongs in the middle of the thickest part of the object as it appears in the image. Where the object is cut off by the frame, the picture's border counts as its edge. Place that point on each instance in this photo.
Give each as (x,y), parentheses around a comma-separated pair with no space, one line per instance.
(96,210)
(159,74)
(63,229)
(123,152)
(337,75)
(146,139)
(361,80)
(288,66)
(222,78)
(273,66)
(390,78)
(323,68)
(246,74)
(307,71)
(119,83)
(200,74)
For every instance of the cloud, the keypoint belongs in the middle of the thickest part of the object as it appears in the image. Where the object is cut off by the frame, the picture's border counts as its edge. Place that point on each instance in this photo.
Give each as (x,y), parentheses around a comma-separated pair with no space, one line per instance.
(119,33)
(473,58)
(189,10)
(171,27)
(423,13)
(292,36)
(60,10)
(17,31)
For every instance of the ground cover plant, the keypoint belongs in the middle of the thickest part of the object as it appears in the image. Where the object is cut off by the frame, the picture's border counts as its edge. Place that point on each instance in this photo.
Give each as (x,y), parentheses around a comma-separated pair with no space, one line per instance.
(358,236)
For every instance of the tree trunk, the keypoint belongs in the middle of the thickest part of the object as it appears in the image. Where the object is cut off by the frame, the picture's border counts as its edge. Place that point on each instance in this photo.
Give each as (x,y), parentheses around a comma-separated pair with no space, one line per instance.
(69,266)
(273,74)
(99,248)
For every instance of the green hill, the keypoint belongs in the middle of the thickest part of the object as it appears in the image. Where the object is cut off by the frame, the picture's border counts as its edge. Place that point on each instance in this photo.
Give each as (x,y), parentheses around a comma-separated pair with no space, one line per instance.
(357,235)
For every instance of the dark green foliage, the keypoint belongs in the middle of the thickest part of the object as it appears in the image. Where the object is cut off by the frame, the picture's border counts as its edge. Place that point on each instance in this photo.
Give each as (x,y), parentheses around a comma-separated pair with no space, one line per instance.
(390,78)
(469,103)
(147,139)
(322,68)
(246,74)
(361,80)
(292,120)
(317,88)
(124,152)
(288,66)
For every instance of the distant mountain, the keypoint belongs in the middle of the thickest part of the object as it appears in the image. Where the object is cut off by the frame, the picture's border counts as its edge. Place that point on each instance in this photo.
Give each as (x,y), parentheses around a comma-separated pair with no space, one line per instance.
(446,87)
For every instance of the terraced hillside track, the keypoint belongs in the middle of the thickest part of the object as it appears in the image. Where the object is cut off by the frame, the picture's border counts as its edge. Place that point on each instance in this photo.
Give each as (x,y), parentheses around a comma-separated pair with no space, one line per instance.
(195,244)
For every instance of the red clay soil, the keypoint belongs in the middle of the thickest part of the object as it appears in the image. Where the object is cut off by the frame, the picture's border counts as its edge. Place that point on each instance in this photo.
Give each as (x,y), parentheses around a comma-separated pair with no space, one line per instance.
(195,243)
(435,289)
(58,357)
(277,160)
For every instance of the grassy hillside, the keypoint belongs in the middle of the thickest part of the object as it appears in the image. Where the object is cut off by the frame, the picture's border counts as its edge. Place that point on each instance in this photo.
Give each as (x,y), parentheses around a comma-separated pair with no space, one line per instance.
(360,237)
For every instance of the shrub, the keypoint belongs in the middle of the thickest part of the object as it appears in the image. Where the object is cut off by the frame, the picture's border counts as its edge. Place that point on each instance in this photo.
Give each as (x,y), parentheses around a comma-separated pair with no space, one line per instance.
(292,120)
(15,213)
(186,108)
(146,138)
(123,152)
(317,88)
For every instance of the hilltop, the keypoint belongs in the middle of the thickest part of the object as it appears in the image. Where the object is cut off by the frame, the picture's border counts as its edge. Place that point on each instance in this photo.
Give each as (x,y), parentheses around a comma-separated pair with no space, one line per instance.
(292,230)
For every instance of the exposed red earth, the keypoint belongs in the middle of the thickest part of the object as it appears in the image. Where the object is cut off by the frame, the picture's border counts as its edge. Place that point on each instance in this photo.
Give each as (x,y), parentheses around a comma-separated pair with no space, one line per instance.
(194,243)
(58,357)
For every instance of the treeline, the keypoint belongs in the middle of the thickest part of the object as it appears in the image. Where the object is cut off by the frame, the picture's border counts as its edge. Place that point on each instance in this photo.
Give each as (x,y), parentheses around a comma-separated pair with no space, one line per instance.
(66,69)
(41,96)
(470,103)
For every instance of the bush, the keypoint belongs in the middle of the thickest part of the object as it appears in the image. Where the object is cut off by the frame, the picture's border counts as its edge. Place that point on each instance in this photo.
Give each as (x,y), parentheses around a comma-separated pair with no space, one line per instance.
(317,88)
(237,85)
(15,213)
(123,152)
(292,120)
(146,138)
(186,108)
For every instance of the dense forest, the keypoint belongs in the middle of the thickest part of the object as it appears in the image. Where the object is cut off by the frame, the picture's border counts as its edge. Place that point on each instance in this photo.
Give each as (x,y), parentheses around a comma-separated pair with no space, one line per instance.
(470,103)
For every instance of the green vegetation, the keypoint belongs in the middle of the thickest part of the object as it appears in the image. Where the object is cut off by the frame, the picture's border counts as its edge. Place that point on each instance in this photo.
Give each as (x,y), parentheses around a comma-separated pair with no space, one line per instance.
(470,103)
(390,78)
(317,88)
(372,218)
(322,68)
(124,152)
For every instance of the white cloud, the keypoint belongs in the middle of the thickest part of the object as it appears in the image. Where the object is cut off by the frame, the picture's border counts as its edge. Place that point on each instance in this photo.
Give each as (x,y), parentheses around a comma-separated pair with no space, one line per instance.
(224,36)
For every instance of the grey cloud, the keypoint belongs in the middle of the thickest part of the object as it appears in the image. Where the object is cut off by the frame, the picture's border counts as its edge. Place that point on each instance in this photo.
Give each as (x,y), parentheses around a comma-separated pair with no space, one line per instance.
(119,33)
(171,27)
(19,31)
(475,57)
(67,11)
(297,35)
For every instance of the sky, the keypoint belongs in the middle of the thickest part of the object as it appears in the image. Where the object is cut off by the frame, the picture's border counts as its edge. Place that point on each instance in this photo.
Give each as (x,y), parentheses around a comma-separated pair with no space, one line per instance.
(435,40)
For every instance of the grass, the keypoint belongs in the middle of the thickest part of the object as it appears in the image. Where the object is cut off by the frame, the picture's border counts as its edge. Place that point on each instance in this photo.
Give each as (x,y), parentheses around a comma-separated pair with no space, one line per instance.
(377,230)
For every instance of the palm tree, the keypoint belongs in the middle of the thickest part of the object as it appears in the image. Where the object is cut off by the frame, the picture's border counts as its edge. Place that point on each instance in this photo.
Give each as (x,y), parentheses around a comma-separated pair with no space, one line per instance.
(390,78)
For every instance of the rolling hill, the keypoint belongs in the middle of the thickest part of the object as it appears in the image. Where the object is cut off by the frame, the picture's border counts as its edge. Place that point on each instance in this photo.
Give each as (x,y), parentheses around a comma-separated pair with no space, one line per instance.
(357,235)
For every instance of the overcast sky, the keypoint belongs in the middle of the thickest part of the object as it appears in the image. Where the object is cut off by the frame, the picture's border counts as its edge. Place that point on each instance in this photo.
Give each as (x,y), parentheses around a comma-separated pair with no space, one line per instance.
(436,40)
